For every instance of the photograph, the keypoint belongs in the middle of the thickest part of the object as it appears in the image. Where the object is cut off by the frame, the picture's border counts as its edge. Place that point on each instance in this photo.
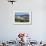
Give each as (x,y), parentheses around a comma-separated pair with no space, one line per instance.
(22,18)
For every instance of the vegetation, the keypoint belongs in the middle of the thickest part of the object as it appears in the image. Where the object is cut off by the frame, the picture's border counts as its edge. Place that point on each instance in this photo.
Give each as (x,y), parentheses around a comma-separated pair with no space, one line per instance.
(19,20)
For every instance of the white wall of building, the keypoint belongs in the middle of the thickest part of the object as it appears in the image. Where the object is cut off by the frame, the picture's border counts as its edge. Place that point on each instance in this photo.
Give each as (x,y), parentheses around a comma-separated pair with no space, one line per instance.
(37,30)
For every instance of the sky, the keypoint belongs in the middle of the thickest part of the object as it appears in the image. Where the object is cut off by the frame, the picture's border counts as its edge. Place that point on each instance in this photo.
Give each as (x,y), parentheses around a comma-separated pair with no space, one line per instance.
(20,13)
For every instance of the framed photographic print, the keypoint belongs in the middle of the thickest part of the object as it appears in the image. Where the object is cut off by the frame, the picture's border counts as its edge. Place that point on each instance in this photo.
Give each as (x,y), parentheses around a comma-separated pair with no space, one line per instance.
(23,17)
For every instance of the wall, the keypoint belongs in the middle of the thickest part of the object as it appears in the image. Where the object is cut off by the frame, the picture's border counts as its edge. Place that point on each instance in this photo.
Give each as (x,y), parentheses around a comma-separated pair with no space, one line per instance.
(37,30)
